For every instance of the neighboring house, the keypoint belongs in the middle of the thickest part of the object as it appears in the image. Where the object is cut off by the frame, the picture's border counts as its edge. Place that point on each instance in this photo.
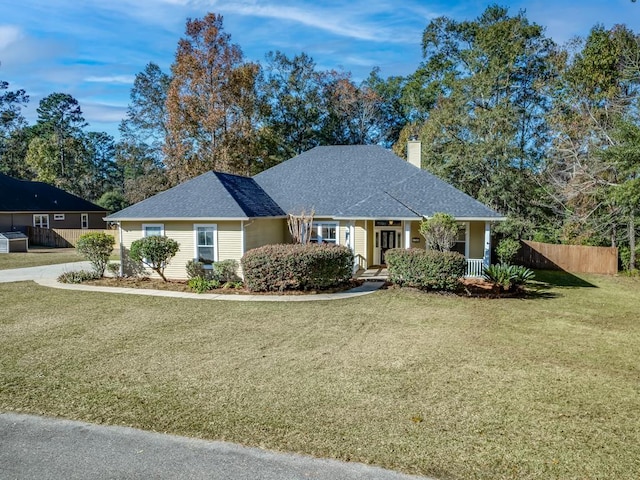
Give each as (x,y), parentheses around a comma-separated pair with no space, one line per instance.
(364,197)
(34,204)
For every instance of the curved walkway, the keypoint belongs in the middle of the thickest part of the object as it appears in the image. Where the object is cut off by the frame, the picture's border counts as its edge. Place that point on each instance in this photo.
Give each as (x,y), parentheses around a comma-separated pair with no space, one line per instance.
(47,275)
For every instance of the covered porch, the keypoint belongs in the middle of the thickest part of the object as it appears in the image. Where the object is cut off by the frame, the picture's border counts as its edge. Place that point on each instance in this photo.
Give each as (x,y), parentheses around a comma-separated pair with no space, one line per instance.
(370,239)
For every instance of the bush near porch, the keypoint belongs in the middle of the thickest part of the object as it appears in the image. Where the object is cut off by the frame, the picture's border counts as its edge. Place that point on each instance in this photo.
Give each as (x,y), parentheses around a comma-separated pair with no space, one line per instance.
(296,267)
(425,269)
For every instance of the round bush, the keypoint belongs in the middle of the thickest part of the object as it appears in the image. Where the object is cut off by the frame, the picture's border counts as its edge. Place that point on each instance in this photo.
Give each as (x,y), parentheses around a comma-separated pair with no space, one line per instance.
(426,269)
(275,268)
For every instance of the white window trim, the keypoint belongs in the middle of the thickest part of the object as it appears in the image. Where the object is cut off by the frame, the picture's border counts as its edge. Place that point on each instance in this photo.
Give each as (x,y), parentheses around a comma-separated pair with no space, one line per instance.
(41,216)
(84,220)
(152,225)
(214,226)
(58,216)
(316,229)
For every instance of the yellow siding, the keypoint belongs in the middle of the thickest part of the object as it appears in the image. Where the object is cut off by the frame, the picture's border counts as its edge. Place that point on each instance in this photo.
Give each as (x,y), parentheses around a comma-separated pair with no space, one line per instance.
(264,232)
(415,233)
(229,242)
(476,239)
(360,243)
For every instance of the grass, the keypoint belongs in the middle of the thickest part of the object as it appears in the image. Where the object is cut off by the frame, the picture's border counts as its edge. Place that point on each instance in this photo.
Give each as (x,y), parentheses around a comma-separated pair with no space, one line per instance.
(545,387)
(37,256)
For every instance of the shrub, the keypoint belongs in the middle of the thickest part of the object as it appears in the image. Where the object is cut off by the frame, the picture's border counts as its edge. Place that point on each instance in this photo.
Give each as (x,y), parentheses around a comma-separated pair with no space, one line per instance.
(96,247)
(155,252)
(225,271)
(625,257)
(425,269)
(195,269)
(439,231)
(113,268)
(296,267)
(504,277)
(201,284)
(507,249)
(77,276)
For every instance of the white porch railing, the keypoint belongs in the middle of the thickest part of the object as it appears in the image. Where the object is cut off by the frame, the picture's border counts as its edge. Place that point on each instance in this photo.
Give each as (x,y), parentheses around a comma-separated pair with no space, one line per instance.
(474,267)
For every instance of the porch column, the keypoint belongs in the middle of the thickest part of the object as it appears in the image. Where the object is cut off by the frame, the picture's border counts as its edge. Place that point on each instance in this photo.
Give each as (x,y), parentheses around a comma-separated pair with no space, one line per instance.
(486,259)
(407,234)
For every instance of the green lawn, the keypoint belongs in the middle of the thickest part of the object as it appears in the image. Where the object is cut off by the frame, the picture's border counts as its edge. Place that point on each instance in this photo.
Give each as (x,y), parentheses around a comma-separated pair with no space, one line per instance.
(546,387)
(38,256)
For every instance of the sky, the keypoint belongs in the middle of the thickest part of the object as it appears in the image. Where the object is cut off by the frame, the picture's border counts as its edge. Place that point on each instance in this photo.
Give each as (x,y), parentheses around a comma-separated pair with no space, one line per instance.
(92,49)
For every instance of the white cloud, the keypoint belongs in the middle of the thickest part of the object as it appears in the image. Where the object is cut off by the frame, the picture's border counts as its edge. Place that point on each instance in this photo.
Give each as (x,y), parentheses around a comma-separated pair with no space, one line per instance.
(124,79)
(9,34)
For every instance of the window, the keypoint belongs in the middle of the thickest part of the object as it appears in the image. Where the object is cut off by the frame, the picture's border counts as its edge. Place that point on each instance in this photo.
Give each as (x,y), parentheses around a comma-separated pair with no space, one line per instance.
(205,243)
(324,232)
(41,221)
(151,229)
(84,220)
(58,216)
(461,240)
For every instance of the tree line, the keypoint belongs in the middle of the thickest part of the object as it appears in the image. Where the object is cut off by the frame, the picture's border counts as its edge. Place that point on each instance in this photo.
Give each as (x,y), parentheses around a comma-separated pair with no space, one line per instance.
(547,134)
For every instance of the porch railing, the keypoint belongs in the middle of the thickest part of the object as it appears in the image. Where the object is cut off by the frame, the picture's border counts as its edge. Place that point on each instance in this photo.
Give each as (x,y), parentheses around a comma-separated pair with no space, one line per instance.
(474,267)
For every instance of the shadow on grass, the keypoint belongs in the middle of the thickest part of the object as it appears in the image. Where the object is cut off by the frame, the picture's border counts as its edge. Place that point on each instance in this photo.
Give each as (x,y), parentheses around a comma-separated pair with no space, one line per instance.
(545,280)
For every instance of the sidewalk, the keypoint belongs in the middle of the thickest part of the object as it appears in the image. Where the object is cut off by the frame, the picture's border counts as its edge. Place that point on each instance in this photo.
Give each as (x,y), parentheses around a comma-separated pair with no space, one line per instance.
(47,275)
(364,289)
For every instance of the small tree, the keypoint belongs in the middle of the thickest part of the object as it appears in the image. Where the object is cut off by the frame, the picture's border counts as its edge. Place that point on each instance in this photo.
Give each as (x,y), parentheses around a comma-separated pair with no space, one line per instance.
(300,226)
(96,247)
(439,231)
(155,252)
(507,249)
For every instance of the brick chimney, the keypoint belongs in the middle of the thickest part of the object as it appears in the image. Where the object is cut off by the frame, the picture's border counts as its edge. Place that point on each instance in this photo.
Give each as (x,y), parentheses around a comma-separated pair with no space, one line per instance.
(414,152)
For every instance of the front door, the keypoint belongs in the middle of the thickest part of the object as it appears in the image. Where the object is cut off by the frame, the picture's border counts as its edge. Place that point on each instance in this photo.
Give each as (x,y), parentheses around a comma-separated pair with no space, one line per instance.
(387,241)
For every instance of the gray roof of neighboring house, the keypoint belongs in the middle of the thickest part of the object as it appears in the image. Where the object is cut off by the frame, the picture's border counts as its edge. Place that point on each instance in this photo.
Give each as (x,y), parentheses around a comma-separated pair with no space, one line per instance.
(26,196)
(364,181)
(211,195)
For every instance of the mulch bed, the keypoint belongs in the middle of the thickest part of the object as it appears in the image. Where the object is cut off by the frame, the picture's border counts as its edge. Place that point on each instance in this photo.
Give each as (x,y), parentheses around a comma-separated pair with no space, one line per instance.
(181,286)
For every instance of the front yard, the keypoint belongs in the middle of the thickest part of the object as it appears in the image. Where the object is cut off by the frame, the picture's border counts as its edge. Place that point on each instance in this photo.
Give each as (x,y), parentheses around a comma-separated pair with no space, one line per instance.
(451,387)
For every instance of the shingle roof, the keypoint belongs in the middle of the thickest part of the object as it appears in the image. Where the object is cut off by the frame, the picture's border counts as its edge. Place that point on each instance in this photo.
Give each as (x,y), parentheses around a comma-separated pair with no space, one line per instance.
(25,196)
(364,182)
(210,195)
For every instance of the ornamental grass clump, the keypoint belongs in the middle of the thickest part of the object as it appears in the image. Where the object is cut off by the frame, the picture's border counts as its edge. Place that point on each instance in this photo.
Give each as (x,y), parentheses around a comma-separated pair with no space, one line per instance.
(276,268)
(425,269)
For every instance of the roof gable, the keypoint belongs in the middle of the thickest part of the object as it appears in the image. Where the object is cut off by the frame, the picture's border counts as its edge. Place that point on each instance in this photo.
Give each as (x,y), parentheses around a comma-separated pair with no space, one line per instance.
(210,195)
(25,196)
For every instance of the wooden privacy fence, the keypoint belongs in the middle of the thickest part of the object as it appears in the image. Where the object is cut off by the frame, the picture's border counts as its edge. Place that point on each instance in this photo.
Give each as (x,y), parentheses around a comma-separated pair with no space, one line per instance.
(63,237)
(570,258)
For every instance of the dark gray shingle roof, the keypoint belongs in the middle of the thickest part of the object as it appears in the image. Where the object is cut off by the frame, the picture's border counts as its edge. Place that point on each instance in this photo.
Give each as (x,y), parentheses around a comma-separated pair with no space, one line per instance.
(25,196)
(364,182)
(211,195)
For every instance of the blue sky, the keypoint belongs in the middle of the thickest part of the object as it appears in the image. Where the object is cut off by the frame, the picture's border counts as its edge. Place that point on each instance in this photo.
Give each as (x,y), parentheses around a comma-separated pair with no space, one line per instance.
(92,49)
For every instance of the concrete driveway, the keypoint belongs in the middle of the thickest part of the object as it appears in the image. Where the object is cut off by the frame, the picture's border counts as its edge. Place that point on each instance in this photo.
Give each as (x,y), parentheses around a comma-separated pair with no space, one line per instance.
(34,447)
(41,272)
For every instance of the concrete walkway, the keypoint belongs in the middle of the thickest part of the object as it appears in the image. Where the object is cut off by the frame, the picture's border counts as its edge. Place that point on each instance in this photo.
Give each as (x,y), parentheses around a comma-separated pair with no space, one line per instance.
(42,272)
(34,447)
(47,275)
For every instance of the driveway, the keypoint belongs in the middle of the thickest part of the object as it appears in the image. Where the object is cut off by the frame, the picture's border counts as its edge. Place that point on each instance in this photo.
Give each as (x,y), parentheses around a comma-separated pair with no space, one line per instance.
(41,272)
(34,447)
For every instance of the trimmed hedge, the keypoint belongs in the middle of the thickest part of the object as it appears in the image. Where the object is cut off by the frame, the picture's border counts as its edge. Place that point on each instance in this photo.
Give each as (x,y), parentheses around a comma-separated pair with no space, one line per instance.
(274,268)
(426,269)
